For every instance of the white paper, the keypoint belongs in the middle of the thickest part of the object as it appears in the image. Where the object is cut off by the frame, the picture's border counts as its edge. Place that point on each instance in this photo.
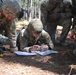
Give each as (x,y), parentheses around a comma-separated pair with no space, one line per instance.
(43,53)
(25,53)
(47,52)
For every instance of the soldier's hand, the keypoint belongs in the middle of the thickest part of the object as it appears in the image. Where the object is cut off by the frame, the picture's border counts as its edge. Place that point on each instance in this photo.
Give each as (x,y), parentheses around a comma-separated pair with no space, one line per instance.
(44,47)
(34,48)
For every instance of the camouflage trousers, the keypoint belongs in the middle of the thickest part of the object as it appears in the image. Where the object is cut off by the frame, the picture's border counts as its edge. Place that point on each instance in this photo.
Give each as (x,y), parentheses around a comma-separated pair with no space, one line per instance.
(51,29)
(74,21)
(66,28)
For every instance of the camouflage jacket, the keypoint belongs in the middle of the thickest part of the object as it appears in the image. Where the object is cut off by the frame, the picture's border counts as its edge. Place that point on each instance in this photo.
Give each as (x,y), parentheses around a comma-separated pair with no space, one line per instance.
(9,28)
(52,12)
(24,39)
(74,7)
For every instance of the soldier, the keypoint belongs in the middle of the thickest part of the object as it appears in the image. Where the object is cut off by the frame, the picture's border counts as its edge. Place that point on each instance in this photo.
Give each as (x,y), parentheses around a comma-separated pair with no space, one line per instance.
(74,12)
(33,37)
(53,13)
(66,20)
(73,37)
(73,31)
(50,14)
(9,11)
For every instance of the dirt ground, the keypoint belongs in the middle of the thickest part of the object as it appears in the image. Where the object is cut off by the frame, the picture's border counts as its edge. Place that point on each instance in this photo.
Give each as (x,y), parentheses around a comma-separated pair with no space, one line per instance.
(62,63)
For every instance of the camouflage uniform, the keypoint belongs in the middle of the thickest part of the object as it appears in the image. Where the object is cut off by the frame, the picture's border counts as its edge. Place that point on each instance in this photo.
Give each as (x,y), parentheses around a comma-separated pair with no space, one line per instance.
(7,25)
(53,13)
(25,39)
(74,38)
(66,19)
(50,14)
(74,12)
(74,25)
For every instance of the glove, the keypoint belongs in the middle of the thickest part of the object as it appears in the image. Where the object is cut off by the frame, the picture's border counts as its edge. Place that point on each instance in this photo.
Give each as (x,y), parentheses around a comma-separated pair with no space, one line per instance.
(44,47)
(34,48)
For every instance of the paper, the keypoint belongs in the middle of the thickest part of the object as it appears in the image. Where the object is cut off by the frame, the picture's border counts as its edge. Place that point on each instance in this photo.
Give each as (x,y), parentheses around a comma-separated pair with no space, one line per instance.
(43,53)
(25,53)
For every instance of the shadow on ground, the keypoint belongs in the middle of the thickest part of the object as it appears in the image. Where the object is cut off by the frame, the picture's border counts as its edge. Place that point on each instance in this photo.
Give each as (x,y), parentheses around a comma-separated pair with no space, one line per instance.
(57,63)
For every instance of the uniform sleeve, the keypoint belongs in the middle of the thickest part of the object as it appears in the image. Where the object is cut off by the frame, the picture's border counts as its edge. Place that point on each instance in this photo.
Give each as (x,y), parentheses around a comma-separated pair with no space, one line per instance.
(22,41)
(11,33)
(49,42)
(47,39)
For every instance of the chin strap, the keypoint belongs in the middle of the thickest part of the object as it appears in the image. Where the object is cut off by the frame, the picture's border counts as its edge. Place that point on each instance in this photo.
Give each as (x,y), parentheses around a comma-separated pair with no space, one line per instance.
(37,39)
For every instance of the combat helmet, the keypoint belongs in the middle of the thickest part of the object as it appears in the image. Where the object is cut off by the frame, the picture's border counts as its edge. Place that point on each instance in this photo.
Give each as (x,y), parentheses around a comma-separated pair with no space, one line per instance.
(11,7)
(35,25)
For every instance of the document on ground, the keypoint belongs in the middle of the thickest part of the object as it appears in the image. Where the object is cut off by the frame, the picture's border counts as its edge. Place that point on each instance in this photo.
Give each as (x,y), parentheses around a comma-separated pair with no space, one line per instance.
(47,52)
(43,53)
(25,53)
